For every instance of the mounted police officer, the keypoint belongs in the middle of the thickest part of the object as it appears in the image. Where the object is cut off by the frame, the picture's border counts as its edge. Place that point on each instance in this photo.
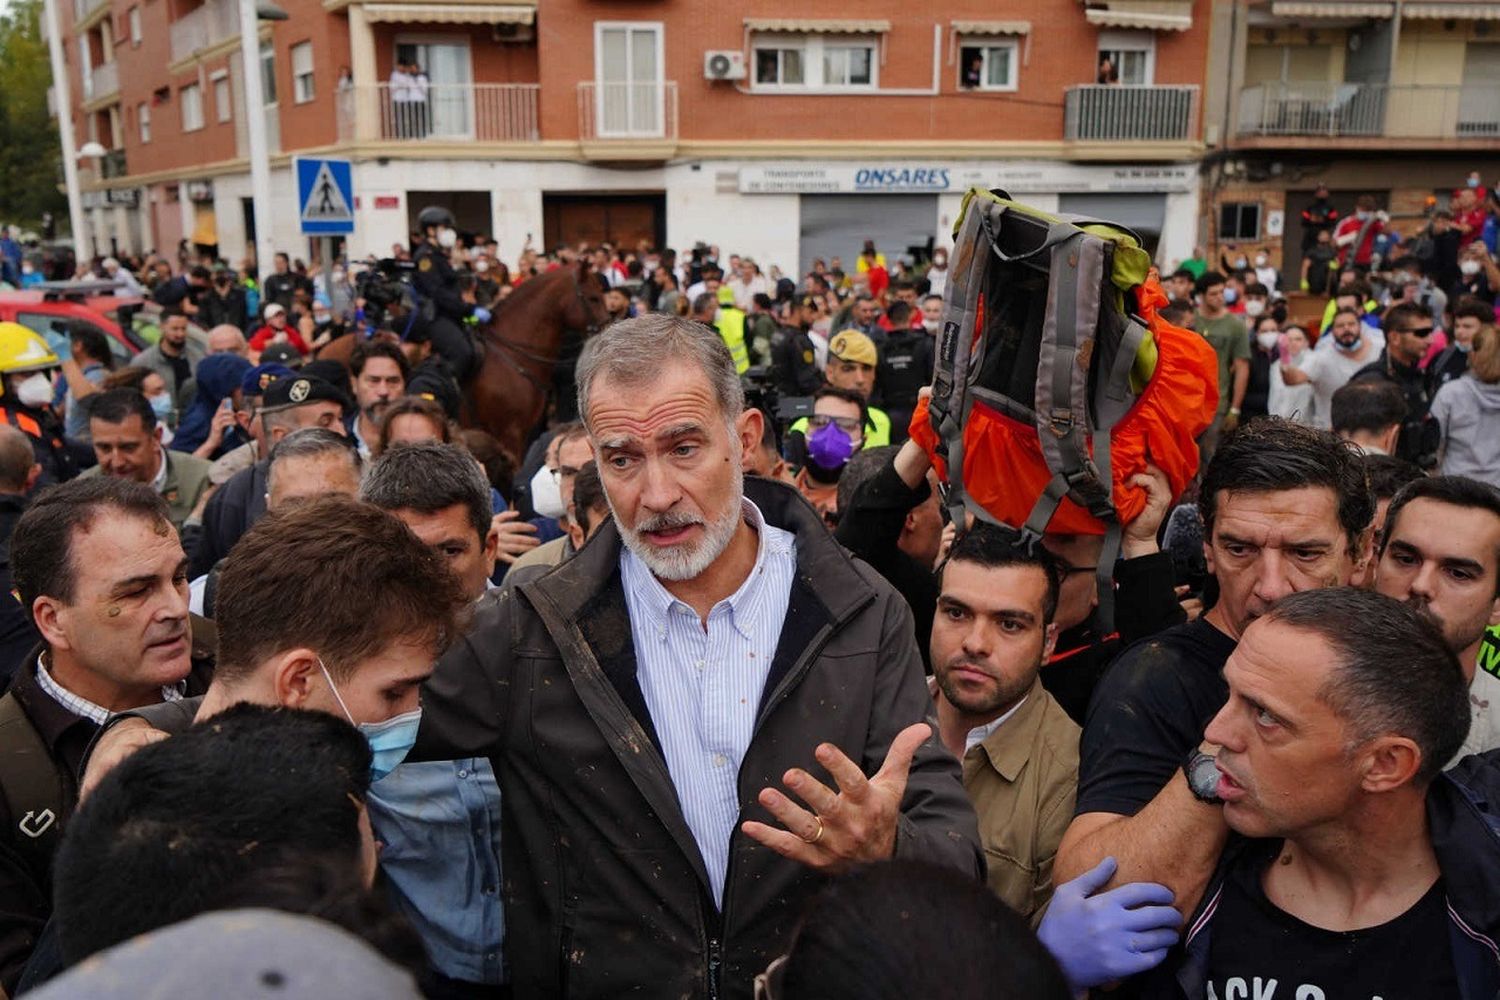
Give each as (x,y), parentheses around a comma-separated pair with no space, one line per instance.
(441,307)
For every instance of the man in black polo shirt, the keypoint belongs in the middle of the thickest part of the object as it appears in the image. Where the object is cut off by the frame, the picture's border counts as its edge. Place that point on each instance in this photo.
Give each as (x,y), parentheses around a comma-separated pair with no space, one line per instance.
(1408,331)
(1285,508)
(99,568)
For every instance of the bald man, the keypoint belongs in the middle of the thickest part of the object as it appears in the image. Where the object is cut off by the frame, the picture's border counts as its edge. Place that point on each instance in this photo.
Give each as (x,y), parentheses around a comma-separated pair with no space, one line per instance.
(227,339)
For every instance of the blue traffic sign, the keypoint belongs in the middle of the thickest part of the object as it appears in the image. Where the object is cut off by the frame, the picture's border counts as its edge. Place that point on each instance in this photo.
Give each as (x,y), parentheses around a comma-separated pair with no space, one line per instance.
(325,192)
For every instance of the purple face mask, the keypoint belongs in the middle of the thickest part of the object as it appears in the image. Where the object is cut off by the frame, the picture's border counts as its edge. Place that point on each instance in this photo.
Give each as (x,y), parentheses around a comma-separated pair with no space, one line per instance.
(829,446)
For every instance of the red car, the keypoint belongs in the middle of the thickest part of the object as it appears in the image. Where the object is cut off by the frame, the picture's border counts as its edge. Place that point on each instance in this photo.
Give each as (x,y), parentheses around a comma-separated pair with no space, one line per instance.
(130,322)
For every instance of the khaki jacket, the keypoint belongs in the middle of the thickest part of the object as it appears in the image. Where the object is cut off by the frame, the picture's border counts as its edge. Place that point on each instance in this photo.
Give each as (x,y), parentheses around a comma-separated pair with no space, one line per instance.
(1023,780)
(187,478)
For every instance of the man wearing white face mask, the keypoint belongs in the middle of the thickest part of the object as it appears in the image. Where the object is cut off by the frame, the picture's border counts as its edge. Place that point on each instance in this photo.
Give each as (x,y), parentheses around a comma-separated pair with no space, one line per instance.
(27,365)
(937,274)
(436,284)
(1265,273)
(552,491)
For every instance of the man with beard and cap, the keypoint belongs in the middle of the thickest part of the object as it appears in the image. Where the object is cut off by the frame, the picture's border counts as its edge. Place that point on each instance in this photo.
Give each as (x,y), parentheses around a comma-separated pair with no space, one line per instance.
(99,569)
(380,376)
(834,432)
(289,404)
(1440,553)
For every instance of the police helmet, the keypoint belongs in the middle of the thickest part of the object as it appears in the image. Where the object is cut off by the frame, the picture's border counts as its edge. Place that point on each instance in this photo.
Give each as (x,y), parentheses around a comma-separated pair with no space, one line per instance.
(435,215)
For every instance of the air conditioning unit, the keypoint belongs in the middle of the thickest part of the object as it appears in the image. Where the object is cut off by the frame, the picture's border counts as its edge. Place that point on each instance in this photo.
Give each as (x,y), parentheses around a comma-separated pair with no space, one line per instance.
(513,33)
(723,64)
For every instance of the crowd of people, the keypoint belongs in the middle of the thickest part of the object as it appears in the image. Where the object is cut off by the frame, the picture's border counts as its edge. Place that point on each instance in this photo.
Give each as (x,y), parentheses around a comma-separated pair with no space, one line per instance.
(707,693)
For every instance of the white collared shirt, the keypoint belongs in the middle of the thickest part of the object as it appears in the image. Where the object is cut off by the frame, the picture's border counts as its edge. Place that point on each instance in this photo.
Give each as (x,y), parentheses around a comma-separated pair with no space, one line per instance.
(702,684)
(160,482)
(979,734)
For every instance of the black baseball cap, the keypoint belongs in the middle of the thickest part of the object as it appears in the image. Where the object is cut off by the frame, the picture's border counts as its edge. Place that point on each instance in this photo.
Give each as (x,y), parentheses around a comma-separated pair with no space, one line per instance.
(300,390)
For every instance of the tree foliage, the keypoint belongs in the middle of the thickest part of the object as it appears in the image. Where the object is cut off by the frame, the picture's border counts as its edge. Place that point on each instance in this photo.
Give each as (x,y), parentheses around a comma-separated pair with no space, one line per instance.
(29,156)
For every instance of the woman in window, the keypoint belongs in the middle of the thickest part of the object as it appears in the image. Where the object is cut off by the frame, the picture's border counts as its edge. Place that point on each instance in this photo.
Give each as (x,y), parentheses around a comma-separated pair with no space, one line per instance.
(1107,72)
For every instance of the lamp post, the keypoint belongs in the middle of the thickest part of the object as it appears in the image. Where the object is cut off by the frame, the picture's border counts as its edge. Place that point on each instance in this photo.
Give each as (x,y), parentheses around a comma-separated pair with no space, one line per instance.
(255,119)
(65,126)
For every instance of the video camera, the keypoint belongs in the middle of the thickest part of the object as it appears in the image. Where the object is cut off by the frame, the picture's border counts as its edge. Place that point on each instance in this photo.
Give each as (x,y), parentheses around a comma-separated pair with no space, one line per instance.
(761,393)
(383,286)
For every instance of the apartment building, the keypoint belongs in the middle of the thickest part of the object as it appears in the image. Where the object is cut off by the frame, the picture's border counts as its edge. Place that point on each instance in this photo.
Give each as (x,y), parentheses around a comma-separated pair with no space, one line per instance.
(1399,99)
(782,130)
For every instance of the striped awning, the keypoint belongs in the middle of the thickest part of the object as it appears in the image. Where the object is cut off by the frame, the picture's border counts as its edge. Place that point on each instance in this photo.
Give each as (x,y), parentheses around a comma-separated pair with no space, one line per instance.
(992,27)
(449,13)
(1153,15)
(1452,11)
(818,26)
(1311,8)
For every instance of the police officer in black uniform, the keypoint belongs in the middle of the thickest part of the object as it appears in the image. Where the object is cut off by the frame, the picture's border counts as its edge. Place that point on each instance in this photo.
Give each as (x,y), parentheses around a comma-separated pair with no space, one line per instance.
(441,305)
(793,357)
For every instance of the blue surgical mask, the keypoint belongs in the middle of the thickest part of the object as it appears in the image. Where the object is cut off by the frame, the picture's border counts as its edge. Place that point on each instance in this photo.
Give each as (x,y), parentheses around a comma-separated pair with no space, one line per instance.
(161,406)
(390,741)
(1231,296)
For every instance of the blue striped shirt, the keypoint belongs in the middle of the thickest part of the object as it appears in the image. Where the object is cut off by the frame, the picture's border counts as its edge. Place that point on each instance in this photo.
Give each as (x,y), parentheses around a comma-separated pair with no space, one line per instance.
(702,685)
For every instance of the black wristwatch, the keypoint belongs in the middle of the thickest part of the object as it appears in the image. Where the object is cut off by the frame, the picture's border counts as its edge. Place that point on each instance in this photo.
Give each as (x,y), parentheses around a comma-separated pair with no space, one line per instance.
(1202,777)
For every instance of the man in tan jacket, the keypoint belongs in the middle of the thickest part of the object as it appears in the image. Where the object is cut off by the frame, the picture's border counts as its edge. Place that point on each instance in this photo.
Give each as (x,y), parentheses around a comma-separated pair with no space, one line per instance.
(993,631)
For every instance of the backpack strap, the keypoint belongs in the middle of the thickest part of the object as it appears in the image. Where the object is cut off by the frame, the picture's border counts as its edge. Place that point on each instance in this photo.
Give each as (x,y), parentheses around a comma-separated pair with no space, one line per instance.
(949,406)
(32,788)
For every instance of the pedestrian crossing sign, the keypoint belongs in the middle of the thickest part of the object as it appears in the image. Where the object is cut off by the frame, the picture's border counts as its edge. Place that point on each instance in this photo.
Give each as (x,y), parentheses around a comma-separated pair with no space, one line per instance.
(325,192)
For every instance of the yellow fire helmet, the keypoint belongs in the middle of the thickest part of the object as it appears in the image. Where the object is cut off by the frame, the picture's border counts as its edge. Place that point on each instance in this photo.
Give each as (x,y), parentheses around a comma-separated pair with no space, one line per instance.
(21,350)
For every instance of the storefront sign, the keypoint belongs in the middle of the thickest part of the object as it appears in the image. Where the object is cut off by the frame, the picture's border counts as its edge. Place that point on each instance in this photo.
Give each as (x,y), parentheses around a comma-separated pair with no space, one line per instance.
(1016,177)
(129,197)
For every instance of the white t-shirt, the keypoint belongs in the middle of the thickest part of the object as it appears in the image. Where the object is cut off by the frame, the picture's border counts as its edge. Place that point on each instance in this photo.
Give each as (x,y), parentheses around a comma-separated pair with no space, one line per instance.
(1484,703)
(1328,371)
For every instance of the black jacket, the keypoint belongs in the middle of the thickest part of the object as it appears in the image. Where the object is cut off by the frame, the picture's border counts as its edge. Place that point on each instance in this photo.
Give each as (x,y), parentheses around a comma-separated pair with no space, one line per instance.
(1420,434)
(437,282)
(58,457)
(215,309)
(794,362)
(606,894)
(18,634)
(237,505)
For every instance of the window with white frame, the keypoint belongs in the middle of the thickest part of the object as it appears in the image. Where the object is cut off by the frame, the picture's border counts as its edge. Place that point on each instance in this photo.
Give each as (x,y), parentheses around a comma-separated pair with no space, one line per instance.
(779,67)
(134,19)
(989,63)
(1131,55)
(143,120)
(223,100)
(268,73)
(302,72)
(816,62)
(191,98)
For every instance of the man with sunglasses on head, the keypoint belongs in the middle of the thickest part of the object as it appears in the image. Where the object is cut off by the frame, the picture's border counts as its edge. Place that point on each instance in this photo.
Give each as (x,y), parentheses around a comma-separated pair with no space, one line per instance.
(1408,332)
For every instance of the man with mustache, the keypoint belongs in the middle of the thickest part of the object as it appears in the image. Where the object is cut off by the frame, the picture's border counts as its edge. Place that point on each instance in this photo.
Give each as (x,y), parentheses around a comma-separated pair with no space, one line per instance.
(1441,554)
(1285,508)
(699,717)
(98,566)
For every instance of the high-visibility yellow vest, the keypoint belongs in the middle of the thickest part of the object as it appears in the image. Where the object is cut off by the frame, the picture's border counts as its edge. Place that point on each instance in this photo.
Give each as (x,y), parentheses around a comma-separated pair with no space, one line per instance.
(877,428)
(731,327)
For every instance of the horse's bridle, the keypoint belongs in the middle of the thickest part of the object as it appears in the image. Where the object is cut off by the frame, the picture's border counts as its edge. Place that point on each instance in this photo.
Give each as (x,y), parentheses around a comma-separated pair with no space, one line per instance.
(509,347)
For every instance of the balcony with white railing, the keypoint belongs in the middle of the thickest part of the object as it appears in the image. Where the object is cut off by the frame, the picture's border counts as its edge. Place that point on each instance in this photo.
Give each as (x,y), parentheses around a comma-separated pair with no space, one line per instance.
(1097,113)
(83,10)
(102,81)
(1316,112)
(619,115)
(214,22)
(440,112)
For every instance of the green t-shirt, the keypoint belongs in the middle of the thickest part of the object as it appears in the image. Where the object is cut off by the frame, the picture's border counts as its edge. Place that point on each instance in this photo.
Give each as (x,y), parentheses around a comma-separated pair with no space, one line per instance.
(1231,342)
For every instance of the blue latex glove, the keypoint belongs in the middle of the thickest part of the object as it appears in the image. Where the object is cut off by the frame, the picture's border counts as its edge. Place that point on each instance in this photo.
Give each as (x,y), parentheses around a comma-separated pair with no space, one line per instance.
(481,314)
(1111,936)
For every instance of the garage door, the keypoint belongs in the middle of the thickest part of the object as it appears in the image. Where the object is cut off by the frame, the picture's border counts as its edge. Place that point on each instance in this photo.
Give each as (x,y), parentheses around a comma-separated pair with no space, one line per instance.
(1145,213)
(837,225)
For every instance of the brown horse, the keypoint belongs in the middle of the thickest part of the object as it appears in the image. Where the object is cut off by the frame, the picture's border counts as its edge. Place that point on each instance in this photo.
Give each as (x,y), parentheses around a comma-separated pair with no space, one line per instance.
(542,324)
(523,345)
